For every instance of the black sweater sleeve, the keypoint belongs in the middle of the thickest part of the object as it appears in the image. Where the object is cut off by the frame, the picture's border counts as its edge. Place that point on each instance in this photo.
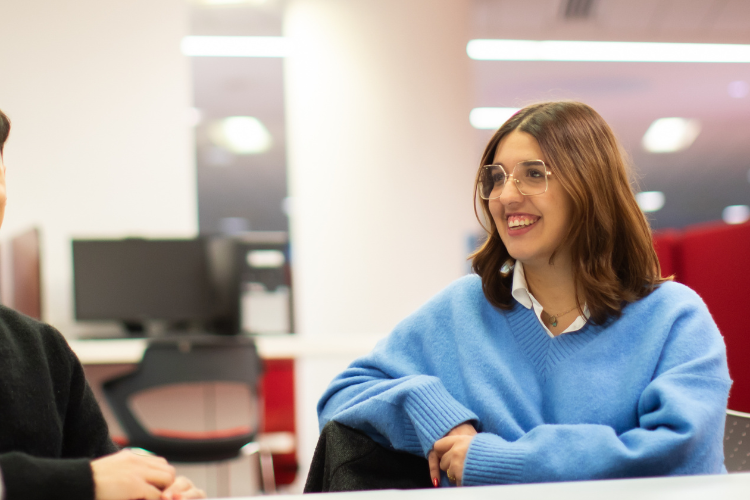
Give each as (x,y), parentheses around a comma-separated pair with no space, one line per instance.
(85,431)
(52,424)
(32,478)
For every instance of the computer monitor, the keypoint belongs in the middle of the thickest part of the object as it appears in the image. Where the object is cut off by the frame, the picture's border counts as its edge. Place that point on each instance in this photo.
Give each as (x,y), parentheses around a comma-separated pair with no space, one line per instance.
(138,280)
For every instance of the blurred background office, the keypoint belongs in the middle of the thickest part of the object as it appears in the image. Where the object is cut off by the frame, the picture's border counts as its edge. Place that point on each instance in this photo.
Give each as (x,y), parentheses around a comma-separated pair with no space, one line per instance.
(356,127)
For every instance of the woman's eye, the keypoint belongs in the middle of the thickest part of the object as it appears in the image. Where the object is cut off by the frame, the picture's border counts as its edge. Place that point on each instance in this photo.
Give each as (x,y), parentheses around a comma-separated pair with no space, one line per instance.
(534,173)
(498,178)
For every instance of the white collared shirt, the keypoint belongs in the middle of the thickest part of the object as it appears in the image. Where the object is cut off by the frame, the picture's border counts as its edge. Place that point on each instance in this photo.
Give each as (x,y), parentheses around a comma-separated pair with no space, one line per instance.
(521,293)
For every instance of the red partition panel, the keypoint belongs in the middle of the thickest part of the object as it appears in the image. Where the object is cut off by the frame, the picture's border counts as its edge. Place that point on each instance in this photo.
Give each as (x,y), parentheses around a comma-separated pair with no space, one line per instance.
(667,243)
(716,263)
(277,392)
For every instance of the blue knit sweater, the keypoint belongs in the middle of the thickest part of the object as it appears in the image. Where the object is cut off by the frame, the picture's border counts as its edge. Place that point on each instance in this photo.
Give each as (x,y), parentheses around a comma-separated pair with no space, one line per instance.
(643,395)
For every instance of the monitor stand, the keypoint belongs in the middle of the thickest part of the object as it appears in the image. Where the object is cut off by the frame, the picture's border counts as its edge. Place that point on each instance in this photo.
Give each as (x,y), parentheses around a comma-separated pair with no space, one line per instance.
(134,328)
(162,328)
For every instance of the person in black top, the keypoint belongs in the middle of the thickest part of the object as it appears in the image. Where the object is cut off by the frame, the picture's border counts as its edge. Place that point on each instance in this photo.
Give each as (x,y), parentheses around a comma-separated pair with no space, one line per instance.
(54,441)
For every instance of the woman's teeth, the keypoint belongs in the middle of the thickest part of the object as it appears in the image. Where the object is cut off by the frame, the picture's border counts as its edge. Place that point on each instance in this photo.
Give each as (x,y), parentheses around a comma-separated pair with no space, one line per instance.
(520,221)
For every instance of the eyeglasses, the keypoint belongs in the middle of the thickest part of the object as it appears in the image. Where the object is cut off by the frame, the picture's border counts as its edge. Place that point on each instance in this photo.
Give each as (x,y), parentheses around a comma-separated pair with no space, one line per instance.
(530,178)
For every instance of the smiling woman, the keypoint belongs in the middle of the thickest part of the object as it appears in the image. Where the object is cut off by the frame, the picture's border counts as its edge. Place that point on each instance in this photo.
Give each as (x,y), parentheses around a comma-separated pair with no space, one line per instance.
(608,250)
(567,356)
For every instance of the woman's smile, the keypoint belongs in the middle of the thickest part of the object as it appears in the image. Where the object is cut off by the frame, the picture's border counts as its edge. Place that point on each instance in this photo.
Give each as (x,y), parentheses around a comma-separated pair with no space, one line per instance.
(517,223)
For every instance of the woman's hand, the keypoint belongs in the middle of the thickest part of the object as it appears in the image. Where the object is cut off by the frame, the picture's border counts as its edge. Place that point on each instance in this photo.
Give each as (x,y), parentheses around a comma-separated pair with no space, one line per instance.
(449,453)
(452,452)
(127,476)
(182,489)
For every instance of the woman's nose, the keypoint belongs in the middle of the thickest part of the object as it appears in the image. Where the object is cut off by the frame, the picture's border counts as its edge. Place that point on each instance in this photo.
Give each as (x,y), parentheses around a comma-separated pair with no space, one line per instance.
(510,193)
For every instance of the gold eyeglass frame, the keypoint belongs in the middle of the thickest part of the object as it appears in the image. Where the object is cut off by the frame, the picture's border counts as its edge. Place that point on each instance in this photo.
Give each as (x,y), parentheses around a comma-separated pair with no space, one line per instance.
(517,182)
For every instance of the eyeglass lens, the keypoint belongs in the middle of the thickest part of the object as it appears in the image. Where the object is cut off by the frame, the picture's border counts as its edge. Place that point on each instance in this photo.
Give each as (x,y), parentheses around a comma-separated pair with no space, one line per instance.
(530,178)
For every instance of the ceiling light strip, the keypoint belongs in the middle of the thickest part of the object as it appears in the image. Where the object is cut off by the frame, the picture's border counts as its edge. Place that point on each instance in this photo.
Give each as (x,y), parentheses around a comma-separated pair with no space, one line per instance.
(556,50)
(490,118)
(235,46)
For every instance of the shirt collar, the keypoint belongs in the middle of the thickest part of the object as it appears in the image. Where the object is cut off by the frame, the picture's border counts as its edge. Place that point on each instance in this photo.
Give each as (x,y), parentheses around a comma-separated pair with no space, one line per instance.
(520,290)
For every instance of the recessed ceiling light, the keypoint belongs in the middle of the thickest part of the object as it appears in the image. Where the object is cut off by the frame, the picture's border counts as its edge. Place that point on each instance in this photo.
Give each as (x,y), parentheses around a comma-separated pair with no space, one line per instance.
(265,258)
(738,89)
(490,118)
(235,46)
(242,135)
(650,201)
(557,50)
(736,214)
(667,135)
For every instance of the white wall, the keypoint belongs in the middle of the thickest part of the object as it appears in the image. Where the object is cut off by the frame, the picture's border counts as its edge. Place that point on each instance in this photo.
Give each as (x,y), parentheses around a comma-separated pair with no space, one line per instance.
(380,157)
(97,91)
(380,168)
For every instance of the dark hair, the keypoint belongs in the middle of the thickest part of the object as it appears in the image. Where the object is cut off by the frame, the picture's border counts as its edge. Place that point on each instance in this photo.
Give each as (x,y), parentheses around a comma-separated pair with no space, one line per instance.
(614,261)
(4,130)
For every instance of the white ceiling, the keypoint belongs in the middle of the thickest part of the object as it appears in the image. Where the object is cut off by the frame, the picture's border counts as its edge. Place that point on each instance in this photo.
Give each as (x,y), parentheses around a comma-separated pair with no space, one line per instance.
(698,183)
(709,21)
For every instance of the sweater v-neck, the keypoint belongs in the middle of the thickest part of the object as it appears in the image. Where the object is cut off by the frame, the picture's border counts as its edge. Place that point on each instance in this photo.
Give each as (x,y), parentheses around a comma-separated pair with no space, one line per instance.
(543,351)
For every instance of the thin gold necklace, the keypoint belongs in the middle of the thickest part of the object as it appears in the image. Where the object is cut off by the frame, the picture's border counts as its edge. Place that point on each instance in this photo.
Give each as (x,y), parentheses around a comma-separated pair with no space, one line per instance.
(553,317)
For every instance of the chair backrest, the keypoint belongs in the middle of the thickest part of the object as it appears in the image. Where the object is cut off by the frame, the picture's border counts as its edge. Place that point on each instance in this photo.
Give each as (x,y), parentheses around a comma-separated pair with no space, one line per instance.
(737,442)
(186,360)
(714,263)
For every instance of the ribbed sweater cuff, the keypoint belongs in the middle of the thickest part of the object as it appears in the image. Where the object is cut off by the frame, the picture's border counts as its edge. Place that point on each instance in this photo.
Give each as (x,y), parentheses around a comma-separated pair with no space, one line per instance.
(434,412)
(492,460)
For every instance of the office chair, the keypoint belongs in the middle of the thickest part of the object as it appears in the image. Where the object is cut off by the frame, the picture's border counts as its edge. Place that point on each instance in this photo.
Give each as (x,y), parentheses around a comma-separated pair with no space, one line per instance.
(347,459)
(737,441)
(184,360)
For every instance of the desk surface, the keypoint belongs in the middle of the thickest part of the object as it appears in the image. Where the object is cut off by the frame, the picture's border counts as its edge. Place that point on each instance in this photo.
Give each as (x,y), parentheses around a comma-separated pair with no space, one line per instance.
(720,487)
(114,351)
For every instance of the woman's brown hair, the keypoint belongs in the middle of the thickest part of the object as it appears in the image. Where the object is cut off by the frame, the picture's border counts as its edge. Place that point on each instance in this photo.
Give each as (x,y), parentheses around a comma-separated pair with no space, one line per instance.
(614,261)
(4,130)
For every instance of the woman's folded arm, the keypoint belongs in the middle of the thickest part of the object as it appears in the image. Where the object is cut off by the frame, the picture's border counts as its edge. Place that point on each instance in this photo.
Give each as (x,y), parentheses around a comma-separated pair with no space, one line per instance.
(408,413)
(681,422)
